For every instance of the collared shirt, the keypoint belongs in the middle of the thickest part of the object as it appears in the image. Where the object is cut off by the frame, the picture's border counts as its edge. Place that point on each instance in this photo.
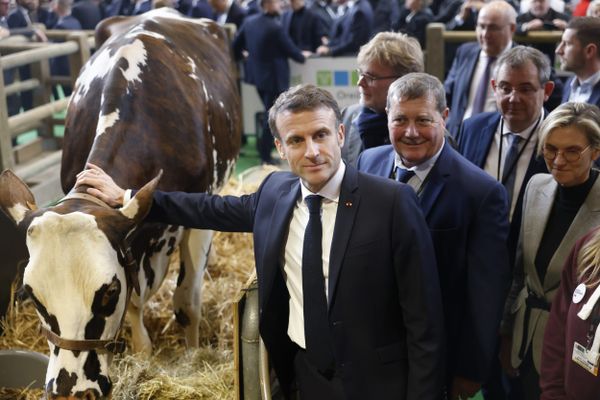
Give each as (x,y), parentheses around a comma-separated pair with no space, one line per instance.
(490,101)
(222,18)
(491,162)
(421,170)
(582,91)
(292,262)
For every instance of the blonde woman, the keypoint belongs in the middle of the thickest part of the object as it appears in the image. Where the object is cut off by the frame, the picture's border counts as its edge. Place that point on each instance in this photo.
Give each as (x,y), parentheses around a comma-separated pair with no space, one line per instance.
(570,353)
(557,210)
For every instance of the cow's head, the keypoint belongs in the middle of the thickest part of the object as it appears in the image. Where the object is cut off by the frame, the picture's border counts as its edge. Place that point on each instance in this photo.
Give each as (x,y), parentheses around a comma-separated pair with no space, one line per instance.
(77,278)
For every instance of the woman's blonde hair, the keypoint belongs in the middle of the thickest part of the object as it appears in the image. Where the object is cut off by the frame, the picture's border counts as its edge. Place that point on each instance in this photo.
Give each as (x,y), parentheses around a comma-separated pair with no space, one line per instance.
(588,261)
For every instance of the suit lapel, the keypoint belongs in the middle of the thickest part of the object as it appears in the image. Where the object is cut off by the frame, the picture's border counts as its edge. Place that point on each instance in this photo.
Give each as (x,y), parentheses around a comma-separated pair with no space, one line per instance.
(587,218)
(435,181)
(595,97)
(485,136)
(344,220)
(274,245)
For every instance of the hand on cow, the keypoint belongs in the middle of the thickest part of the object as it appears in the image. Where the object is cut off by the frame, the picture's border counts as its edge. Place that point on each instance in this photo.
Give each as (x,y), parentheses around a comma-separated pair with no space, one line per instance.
(101,185)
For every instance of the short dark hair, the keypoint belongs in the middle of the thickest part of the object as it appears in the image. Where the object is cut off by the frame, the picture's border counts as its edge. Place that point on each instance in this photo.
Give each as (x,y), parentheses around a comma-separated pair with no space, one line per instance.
(417,85)
(587,31)
(302,98)
(519,56)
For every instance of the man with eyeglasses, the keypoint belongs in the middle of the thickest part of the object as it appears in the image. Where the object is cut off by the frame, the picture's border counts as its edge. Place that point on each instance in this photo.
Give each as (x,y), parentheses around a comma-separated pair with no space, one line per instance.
(467,84)
(503,143)
(383,59)
(467,214)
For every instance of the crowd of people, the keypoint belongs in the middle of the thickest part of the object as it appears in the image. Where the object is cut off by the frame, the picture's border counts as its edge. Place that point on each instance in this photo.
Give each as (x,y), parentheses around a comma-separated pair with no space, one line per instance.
(499,183)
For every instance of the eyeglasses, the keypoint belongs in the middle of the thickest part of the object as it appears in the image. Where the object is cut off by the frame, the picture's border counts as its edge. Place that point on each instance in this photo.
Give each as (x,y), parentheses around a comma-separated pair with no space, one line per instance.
(420,122)
(568,155)
(370,78)
(490,27)
(524,90)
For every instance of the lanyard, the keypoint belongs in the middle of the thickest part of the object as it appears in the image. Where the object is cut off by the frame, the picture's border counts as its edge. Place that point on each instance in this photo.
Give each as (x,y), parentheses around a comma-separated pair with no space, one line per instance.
(516,162)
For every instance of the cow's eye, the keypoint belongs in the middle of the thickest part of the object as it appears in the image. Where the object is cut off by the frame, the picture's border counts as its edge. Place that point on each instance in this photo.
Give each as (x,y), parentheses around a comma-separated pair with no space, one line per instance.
(111,293)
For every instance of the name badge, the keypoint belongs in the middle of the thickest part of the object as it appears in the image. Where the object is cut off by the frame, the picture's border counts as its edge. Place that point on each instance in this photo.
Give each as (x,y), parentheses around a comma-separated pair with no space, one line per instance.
(579,293)
(585,358)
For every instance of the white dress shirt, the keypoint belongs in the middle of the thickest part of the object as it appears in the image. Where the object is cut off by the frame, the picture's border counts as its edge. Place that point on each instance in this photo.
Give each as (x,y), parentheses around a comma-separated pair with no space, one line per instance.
(292,263)
(490,101)
(582,91)
(491,162)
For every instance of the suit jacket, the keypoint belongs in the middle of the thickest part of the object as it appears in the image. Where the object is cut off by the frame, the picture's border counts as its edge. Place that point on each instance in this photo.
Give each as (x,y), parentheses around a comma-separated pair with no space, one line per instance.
(352,30)
(467,214)
(539,198)
(474,142)
(458,83)
(384,303)
(416,26)
(200,10)
(60,65)
(353,144)
(88,13)
(235,15)
(310,27)
(324,12)
(269,48)
(594,98)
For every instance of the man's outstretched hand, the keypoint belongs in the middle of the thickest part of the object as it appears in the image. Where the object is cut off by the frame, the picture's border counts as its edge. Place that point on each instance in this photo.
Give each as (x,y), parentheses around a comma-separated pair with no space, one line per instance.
(101,185)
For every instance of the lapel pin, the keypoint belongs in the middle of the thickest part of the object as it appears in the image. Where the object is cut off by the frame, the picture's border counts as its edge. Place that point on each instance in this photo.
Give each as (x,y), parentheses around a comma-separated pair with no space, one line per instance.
(348,204)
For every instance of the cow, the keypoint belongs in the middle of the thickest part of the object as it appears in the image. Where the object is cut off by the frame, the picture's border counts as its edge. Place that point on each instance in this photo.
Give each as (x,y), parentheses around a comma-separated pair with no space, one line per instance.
(157,106)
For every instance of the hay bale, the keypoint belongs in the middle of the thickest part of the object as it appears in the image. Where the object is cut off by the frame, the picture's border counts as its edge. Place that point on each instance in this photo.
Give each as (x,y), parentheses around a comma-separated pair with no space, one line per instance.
(172,372)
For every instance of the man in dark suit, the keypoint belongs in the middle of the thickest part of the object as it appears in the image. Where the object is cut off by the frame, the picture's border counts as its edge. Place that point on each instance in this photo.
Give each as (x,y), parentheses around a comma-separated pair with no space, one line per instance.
(521,84)
(474,62)
(267,68)
(504,145)
(366,322)
(351,30)
(88,13)
(305,27)
(227,12)
(60,65)
(200,9)
(325,11)
(467,214)
(579,52)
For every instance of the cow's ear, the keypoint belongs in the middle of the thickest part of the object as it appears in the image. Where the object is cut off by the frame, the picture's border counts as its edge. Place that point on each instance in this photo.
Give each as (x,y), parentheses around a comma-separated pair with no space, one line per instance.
(16,200)
(139,205)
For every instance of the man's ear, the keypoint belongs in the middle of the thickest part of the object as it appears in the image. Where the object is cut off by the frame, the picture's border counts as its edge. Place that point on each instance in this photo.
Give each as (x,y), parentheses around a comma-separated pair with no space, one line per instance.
(548,89)
(280,149)
(341,134)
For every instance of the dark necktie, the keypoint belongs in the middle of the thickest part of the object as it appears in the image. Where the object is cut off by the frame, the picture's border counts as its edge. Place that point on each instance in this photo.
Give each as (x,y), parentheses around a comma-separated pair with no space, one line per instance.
(482,88)
(316,322)
(510,165)
(404,175)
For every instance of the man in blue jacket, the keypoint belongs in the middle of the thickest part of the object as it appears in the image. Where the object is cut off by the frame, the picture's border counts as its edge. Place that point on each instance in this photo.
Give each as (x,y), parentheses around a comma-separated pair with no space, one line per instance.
(467,214)
(268,48)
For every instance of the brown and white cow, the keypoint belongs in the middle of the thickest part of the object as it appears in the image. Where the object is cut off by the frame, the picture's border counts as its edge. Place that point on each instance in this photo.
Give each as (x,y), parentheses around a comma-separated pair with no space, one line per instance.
(158,95)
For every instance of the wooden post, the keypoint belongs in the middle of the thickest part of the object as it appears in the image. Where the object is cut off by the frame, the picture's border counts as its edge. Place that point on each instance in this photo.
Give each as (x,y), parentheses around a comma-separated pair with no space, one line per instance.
(78,59)
(6,155)
(434,58)
(41,71)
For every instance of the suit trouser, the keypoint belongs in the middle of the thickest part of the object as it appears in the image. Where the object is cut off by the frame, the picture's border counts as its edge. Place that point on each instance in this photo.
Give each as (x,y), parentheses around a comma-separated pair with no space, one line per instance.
(312,385)
(264,143)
